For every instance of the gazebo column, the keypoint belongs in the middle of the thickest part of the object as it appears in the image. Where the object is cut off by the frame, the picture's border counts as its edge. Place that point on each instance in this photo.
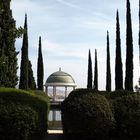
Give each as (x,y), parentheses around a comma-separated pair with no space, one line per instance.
(53,115)
(73,87)
(65,92)
(46,91)
(54,93)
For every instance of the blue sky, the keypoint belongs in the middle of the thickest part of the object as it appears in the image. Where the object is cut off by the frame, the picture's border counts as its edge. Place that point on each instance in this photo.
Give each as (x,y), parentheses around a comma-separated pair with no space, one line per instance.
(69,28)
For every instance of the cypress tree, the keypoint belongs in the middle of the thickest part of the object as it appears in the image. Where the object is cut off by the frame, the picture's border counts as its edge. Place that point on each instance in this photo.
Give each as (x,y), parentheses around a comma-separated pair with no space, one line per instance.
(139,32)
(118,61)
(108,71)
(139,42)
(89,79)
(40,69)
(96,72)
(3,68)
(23,84)
(8,54)
(129,51)
(31,79)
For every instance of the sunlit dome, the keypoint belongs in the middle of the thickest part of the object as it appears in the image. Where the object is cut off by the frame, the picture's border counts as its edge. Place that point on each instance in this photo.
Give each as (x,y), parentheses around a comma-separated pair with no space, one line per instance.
(60,78)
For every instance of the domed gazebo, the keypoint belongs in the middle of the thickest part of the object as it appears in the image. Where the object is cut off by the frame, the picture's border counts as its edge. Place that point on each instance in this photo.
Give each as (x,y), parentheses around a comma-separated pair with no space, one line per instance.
(59,79)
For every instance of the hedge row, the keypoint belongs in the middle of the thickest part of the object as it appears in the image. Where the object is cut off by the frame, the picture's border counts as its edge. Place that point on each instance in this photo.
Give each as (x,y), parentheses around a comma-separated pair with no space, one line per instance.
(127,115)
(23,114)
(93,114)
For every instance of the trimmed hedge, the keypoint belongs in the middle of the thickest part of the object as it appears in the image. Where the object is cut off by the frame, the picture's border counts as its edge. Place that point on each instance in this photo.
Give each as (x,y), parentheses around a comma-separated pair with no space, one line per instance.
(17,122)
(26,111)
(117,94)
(127,116)
(87,115)
(90,114)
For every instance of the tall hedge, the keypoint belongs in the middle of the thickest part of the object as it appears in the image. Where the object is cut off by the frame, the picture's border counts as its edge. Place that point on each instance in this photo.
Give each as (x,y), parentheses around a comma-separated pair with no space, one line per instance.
(40,67)
(129,50)
(96,72)
(118,59)
(89,76)
(108,68)
(31,79)
(23,82)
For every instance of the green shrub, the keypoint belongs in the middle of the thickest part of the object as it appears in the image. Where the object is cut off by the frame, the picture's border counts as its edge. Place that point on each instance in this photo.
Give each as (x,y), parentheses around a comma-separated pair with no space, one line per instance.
(86,114)
(127,116)
(17,122)
(36,104)
(118,94)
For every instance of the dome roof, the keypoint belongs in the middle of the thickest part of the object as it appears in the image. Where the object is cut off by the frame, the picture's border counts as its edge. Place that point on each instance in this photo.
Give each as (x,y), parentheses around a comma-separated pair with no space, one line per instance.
(60,78)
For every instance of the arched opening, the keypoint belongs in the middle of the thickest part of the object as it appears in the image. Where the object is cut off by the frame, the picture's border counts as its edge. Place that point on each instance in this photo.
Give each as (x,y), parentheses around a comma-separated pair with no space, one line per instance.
(58,85)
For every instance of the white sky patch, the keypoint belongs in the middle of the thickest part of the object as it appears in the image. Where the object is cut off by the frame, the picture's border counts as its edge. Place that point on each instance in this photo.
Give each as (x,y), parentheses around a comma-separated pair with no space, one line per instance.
(49,46)
(98,25)
(68,4)
(101,16)
(71,50)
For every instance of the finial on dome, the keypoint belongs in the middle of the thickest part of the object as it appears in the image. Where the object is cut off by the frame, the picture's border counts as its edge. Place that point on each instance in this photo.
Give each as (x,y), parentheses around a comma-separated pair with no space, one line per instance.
(60,69)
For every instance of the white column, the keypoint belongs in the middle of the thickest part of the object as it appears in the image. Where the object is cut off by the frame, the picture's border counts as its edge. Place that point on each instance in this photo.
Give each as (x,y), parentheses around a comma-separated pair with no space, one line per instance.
(46,91)
(54,93)
(65,92)
(53,115)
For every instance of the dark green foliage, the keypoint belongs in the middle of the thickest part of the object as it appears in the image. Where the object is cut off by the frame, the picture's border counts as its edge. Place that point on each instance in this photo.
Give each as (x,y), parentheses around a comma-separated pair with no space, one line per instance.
(139,33)
(96,72)
(31,79)
(8,54)
(40,67)
(118,94)
(23,84)
(127,116)
(3,69)
(129,51)
(86,115)
(89,78)
(17,122)
(35,109)
(79,112)
(118,61)
(108,71)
